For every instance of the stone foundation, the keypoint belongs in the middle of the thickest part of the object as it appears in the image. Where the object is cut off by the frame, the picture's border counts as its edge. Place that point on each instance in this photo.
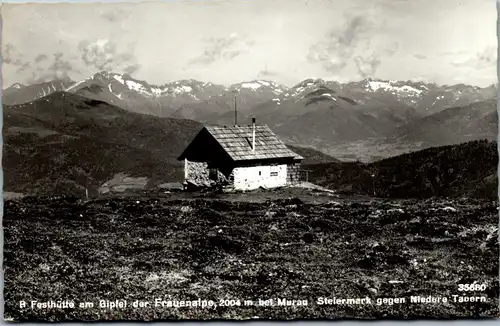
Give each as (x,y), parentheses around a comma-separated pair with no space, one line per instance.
(293,174)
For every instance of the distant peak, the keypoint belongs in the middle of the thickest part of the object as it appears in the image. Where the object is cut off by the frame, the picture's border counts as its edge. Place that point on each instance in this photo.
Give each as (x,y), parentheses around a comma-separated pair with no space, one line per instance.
(255,84)
(189,81)
(17,85)
(309,82)
(103,73)
(66,79)
(108,75)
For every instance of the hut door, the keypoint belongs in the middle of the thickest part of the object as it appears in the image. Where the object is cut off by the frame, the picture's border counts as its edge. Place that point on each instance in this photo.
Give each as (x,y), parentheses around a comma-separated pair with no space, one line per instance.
(212,174)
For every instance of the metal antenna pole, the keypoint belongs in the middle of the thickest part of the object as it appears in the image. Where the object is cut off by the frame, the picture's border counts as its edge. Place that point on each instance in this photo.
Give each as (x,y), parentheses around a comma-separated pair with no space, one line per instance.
(235,112)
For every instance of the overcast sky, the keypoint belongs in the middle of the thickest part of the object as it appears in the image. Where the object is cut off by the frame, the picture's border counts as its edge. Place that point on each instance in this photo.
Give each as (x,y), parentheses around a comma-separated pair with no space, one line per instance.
(442,41)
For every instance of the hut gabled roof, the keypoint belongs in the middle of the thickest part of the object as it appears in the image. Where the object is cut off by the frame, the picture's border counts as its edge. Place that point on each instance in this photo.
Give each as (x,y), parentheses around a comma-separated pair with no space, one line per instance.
(236,141)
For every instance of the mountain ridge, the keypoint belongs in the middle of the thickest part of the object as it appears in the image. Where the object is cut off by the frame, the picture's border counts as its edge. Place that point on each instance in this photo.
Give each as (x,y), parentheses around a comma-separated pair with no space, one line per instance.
(187,86)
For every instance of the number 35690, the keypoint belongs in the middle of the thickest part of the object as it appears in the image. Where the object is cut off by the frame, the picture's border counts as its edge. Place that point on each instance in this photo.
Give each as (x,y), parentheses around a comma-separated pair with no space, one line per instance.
(472,287)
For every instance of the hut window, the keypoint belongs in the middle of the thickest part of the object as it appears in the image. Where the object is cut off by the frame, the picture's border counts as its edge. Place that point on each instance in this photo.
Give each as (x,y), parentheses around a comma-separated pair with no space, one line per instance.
(274,174)
(260,172)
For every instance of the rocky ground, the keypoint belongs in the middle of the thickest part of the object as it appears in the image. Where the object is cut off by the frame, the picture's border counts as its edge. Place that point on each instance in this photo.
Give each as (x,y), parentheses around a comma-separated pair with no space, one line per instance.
(248,247)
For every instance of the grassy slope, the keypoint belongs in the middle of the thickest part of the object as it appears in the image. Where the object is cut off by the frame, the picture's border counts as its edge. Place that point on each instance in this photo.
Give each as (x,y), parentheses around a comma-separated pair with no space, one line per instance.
(54,143)
(147,248)
(312,156)
(478,120)
(464,169)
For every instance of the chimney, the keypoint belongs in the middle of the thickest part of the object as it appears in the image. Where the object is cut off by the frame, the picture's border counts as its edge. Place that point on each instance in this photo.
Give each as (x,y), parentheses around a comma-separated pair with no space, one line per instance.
(253,134)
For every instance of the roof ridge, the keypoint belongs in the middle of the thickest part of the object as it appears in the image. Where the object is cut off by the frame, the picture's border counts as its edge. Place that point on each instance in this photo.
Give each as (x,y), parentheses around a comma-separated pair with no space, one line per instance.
(237,126)
(235,141)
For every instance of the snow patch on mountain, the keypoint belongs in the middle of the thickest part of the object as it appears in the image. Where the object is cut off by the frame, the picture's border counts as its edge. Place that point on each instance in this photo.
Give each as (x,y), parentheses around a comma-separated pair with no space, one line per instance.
(119,78)
(182,89)
(258,84)
(306,85)
(253,85)
(135,86)
(75,85)
(330,96)
(297,91)
(156,91)
(389,86)
(437,99)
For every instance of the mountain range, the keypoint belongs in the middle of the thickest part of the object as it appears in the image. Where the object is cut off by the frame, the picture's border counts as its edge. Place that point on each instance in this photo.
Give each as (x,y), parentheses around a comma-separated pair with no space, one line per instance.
(124,91)
(371,118)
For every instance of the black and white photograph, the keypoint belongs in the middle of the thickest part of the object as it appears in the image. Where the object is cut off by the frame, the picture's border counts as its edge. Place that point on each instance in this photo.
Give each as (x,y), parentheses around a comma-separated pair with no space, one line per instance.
(196,160)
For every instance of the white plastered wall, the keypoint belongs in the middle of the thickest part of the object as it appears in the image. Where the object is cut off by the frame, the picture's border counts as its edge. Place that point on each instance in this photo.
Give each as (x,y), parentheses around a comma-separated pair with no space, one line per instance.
(268,176)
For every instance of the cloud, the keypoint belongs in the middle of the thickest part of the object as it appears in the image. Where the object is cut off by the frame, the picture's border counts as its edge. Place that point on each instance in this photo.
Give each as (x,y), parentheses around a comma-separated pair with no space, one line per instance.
(367,66)
(454,53)
(368,62)
(110,16)
(10,56)
(223,48)
(115,15)
(487,58)
(338,47)
(351,43)
(267,73)
(100,55)
(103,55)
(131,69)
(392,4)
(25,66)
(58,68)
(41,57)
(420,56)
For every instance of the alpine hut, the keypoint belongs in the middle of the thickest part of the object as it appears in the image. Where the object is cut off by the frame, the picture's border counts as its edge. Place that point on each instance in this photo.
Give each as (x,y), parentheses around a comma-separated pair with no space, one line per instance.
(240,158)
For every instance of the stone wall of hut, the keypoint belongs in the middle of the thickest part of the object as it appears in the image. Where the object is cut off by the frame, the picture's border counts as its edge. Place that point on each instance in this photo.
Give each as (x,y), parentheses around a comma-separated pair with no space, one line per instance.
(293,173)
(201,175)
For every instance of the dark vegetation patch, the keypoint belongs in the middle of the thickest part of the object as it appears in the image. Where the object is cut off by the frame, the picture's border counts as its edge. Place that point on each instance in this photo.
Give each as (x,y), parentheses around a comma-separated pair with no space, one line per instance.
(142,248)
(348,100)
(468,169)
